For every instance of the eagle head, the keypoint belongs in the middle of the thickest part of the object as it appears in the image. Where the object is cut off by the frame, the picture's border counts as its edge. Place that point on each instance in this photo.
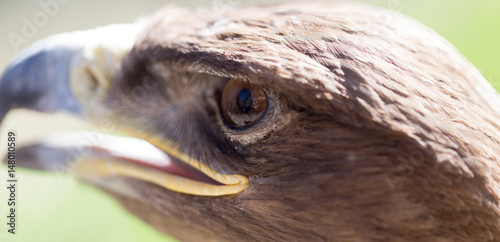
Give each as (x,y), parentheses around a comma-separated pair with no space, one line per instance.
(287,122)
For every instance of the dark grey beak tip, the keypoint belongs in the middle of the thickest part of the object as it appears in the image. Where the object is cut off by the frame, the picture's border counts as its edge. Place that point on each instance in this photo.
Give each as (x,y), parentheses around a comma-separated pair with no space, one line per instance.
(38,81)
(42,157)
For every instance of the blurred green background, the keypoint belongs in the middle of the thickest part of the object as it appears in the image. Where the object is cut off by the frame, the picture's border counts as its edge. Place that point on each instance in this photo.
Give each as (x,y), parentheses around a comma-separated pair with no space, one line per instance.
(57,208)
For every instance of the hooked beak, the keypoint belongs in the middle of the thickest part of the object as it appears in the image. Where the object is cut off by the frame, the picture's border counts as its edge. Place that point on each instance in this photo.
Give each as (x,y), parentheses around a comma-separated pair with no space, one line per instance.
(72,72)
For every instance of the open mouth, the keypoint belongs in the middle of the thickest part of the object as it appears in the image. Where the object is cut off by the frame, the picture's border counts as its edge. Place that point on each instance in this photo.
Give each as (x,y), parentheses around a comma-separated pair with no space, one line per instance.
(156,161)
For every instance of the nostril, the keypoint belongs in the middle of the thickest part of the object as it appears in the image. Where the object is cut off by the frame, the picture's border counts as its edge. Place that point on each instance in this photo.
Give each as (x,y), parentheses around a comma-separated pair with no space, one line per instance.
(93,82)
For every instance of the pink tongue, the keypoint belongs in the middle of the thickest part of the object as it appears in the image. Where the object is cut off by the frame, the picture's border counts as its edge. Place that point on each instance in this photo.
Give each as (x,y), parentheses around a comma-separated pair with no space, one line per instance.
(145,154)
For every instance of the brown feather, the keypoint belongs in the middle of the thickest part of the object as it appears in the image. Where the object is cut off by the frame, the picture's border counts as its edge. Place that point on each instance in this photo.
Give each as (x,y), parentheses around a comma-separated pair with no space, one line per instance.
(386,133)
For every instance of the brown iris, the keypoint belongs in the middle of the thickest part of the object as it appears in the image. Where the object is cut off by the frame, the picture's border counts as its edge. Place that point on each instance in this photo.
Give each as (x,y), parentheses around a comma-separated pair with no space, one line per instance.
(243,104)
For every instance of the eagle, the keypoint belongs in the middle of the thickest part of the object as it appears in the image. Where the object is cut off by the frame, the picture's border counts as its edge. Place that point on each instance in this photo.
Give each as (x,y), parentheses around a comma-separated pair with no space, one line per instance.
(282,122)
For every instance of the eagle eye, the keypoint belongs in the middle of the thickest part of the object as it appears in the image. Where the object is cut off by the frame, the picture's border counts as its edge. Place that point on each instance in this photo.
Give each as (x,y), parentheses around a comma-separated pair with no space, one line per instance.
(243,104)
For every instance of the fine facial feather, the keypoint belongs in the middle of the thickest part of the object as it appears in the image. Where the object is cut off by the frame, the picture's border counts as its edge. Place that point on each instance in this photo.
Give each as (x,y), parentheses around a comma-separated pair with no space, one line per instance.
(393,135)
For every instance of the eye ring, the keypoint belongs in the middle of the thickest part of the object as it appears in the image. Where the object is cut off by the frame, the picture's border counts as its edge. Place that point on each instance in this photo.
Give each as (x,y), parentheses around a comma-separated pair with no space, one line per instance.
(243,104)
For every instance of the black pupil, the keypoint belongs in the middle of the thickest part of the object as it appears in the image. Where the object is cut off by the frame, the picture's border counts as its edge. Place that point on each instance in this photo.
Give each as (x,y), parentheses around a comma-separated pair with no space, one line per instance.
(245,101)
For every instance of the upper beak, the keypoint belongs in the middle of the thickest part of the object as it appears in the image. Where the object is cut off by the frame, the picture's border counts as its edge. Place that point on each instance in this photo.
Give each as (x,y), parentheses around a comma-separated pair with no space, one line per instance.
(59,72)
(72,72)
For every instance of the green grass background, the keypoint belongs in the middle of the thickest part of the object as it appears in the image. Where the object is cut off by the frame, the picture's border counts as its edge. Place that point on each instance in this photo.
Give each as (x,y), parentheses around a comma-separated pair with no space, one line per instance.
(57,208)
